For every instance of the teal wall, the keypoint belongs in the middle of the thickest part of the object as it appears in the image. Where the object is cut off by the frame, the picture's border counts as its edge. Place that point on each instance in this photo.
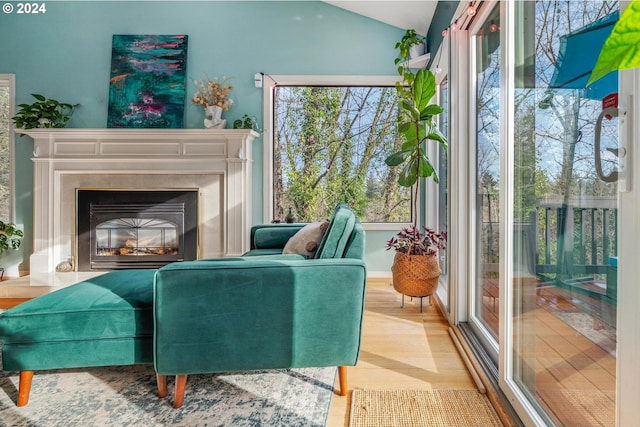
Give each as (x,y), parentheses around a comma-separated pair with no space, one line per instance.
(65,54)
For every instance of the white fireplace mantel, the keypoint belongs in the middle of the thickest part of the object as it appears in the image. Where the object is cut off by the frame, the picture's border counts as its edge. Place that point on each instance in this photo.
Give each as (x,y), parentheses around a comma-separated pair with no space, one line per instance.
(215,161)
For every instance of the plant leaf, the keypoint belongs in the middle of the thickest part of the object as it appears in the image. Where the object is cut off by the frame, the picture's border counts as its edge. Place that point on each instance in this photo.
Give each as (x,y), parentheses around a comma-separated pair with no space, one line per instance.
(621,50)
(426,168)
(398,158)
(424,87)
(430,110)
(38,97)
(436,135)
(408,175)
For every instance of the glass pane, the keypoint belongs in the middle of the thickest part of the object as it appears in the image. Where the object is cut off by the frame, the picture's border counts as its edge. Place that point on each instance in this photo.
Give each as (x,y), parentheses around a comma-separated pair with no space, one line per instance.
(4,153)
(137,236)
(443,192)
(565,231)
(487,198)
(329,146)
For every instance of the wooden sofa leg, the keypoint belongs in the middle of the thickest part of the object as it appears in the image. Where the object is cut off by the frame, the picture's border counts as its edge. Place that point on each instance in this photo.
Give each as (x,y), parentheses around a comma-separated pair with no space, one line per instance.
(178,398)
(24,387)
(162,385)
(342,374)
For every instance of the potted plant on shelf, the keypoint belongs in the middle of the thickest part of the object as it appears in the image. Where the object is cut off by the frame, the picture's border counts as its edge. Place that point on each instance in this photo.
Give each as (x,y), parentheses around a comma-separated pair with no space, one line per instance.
(411,45)
(415,267)
(10,238)
(44,113)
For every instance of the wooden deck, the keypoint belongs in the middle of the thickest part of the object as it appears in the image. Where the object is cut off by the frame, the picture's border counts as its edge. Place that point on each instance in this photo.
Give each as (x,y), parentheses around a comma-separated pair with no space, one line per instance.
(574,367)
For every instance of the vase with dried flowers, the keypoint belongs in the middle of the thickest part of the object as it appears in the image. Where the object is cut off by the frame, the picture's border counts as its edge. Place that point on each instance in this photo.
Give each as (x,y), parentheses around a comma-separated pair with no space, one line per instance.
(213,95)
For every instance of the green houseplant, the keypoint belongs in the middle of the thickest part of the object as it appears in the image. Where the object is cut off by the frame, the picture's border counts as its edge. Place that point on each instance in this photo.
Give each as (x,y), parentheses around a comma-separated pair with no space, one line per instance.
(415,268)
(10,238)
(43,113)
(409,42)
(620,50)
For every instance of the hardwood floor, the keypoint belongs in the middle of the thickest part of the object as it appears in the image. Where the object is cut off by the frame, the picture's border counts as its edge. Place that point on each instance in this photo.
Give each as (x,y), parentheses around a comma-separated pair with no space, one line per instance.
(401,348)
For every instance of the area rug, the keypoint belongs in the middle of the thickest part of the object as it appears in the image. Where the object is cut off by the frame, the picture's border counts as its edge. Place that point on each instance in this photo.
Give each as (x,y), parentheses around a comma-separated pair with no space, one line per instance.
(597,332)
(127,396)
(413,408)
(583,407)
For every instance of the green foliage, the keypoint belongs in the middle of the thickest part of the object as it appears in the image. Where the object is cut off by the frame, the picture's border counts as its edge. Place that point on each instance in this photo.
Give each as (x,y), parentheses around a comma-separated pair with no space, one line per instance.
(409,39)
(10,236)
(416,119)
(330,145)
(44,113)
(621,50)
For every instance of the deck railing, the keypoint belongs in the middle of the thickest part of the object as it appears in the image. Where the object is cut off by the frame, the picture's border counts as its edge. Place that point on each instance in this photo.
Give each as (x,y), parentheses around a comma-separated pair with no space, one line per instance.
(575,241)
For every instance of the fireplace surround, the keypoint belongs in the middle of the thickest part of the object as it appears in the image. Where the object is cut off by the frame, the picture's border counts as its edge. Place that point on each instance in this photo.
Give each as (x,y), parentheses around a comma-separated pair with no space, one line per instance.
(215,162)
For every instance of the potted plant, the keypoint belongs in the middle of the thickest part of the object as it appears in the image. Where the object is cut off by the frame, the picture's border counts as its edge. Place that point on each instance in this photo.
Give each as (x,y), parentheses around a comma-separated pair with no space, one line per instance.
(44,113)
(415,268)
(411,45)
(10,238)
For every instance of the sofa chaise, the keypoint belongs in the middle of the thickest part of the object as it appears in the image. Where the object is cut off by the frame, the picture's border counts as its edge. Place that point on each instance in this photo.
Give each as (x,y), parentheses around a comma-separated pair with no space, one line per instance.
(264,310)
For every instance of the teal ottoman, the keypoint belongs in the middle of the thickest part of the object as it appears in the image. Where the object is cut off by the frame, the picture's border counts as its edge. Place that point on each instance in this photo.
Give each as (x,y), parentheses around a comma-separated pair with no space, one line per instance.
(104,321)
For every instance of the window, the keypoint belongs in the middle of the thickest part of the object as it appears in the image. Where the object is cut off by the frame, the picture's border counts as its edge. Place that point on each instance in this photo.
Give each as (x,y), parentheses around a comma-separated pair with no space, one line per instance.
(6,153)
(330,140)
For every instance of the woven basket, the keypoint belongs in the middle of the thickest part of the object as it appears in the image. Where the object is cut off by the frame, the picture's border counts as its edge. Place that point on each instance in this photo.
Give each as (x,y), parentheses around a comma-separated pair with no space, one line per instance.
(415,275)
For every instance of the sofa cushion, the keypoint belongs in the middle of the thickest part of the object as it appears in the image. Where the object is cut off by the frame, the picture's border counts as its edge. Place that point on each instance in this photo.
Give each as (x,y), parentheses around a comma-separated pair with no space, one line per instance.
(272,236)
(262,252)
(335,240)
(115,305)
(306,241)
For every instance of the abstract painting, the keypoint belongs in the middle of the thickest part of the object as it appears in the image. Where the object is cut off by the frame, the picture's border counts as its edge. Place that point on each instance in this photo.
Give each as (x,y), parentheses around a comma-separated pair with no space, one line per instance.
(147,84)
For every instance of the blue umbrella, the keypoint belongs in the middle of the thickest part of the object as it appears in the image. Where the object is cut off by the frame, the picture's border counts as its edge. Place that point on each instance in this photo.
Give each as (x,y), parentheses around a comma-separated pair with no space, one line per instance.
(579,51)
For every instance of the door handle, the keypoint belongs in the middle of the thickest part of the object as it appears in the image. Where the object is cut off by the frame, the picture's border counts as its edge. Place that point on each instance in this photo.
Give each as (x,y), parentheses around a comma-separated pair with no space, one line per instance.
(618,152)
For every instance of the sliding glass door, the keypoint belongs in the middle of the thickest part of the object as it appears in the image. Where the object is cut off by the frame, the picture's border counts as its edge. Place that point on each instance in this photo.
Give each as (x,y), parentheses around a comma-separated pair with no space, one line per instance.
(545,219)
(565,213)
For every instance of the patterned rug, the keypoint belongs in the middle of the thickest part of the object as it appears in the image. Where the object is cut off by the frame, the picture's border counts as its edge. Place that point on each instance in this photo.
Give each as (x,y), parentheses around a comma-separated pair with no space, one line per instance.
(127,396)
(413,408)
(596,331)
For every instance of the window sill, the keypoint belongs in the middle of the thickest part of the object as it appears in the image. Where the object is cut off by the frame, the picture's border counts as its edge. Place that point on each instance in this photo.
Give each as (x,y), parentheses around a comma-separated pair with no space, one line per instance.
(386,226)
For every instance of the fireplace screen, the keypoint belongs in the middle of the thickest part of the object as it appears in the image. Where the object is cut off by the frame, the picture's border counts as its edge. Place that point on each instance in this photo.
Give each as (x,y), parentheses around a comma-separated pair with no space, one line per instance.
(135,229)
(136,237)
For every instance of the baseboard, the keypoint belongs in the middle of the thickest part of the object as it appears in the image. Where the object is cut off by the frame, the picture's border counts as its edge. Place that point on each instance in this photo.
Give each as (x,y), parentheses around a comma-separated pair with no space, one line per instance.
(379,274)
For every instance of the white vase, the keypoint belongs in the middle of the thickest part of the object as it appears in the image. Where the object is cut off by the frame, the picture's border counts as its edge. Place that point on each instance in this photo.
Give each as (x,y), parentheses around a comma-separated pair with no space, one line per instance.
(213,117)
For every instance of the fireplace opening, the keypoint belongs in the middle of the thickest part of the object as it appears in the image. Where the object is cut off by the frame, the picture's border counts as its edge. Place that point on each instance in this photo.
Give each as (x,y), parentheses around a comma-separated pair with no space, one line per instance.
(136,228)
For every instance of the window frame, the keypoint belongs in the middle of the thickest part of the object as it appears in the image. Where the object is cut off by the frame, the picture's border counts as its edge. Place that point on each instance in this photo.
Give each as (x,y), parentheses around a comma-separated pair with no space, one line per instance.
(269,82)
(9,80)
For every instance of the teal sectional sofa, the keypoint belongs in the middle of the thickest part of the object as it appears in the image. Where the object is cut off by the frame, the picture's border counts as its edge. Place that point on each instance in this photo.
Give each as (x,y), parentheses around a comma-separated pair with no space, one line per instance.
(104,321)
(265,310)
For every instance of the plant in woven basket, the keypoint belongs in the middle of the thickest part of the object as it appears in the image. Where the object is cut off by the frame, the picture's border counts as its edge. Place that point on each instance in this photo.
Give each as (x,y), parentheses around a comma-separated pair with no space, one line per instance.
(415,267)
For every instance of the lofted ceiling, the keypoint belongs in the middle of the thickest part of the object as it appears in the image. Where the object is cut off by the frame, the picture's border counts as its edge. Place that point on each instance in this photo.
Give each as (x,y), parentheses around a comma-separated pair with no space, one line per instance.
(416,14)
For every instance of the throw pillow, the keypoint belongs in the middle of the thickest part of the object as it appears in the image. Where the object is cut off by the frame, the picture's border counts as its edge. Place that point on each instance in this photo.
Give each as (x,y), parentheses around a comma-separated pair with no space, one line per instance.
(306,240)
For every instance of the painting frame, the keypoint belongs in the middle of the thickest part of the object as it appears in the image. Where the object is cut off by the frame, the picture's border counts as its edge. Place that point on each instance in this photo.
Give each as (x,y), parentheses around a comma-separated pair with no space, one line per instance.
(147,84)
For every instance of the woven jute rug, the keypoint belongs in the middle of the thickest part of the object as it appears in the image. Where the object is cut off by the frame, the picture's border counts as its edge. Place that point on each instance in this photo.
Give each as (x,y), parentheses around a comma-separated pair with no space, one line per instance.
(413,408)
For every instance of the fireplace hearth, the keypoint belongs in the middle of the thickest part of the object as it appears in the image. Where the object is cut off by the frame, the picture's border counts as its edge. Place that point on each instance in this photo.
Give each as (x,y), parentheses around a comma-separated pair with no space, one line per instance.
(136,228)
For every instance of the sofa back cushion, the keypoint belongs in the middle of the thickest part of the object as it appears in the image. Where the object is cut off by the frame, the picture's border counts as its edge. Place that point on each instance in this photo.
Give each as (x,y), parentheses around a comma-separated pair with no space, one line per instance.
(343,237)
(268,236)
